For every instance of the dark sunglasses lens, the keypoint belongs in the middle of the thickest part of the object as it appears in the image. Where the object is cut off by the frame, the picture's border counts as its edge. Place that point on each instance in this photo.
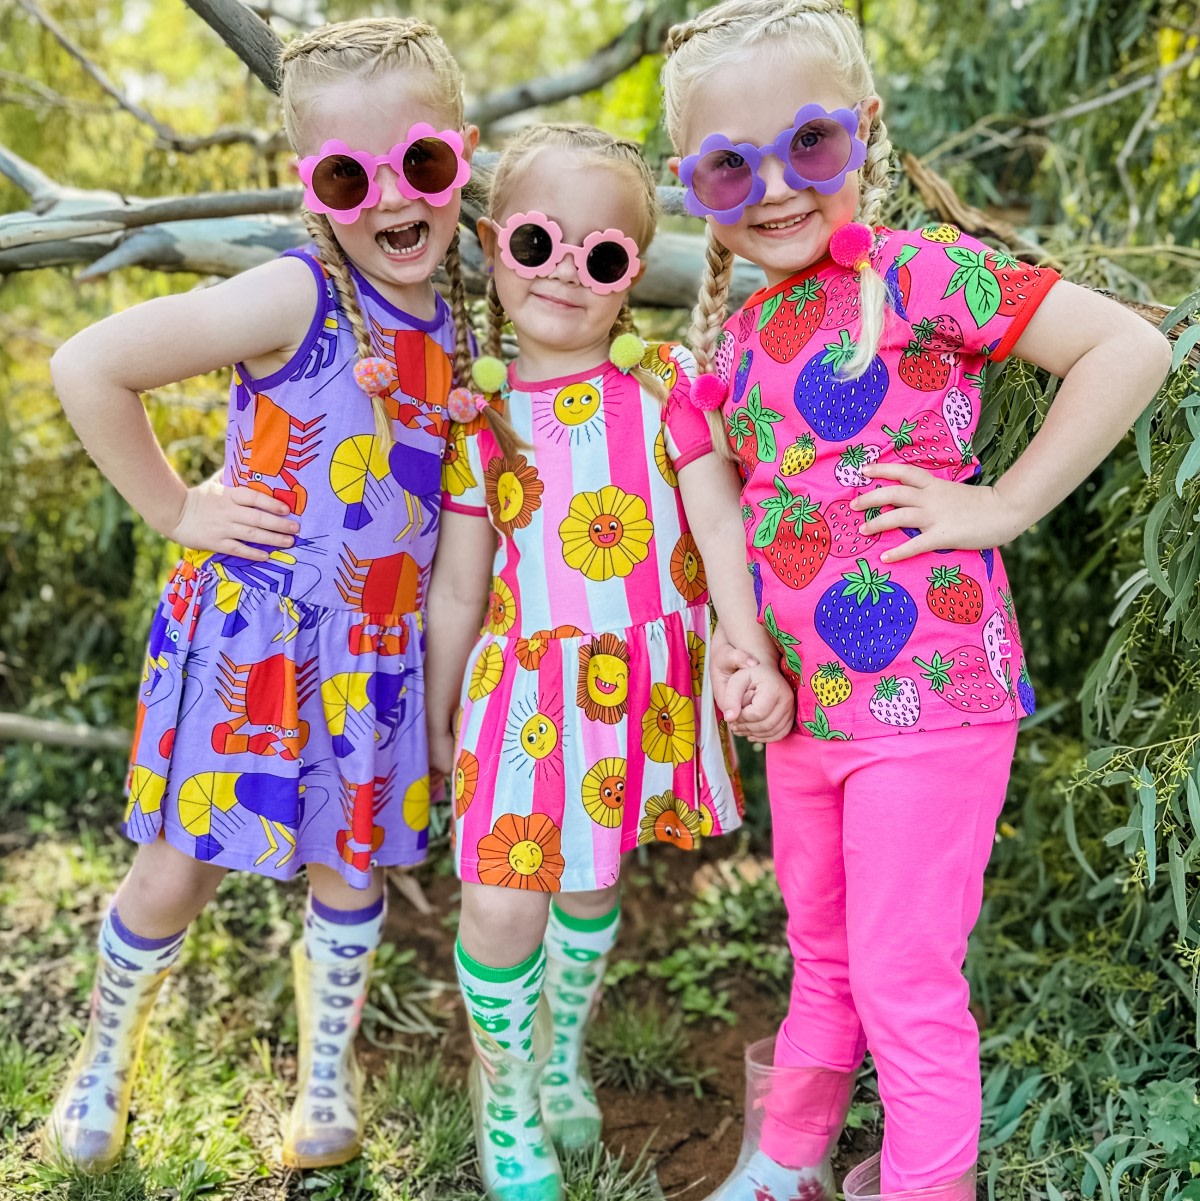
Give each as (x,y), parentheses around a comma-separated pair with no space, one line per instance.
(430,165)
(722,180)
(607,262)
(820,150)
(530,245)
(340,182)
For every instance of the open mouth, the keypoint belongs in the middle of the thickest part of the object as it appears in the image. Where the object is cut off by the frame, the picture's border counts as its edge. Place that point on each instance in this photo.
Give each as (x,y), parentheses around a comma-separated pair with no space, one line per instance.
(605,688)
(788,223)
(403,241)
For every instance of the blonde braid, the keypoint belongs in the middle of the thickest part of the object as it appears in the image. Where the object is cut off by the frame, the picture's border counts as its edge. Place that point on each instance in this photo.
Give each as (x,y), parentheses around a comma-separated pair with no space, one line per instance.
(708,318)
(329,251)
(496,321)
(462,317)
(874,186)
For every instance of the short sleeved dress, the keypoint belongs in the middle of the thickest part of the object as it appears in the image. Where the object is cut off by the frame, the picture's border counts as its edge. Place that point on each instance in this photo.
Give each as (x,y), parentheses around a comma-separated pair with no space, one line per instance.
(280,717)
(588,724)
(877,648)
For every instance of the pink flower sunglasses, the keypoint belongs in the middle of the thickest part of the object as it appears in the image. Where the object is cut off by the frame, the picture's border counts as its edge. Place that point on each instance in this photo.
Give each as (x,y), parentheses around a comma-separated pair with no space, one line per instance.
(340,181)
(531,244)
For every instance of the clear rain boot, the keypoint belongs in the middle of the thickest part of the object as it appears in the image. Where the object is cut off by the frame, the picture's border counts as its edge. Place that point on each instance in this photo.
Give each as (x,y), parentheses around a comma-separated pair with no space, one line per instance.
(517,1161)
(569,1106)
(793,1118)
(86,1128)
(325,1127)
(862,1184)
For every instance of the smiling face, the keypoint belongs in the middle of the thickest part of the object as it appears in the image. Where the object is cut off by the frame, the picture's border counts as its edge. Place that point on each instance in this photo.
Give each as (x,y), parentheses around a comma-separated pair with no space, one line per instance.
(557,319)
(607,681)
(398,243)
(786,230)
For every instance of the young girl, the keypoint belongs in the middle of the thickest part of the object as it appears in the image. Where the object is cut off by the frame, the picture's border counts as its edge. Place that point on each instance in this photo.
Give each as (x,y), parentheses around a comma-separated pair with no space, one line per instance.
(587,723)
(854,381)
(279,722)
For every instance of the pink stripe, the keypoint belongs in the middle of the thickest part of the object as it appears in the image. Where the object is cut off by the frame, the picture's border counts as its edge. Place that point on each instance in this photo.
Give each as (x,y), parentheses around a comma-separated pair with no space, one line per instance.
(640,682)
(566,587)
(631,473)
(684,782)
(549,787)
(448,502)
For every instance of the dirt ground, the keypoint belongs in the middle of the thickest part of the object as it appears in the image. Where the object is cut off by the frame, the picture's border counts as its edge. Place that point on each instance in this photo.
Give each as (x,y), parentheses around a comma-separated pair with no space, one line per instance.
(693,1142)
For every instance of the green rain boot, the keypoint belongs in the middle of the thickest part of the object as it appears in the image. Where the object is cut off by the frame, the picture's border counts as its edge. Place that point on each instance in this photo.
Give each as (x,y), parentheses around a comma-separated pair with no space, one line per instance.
(517,1161)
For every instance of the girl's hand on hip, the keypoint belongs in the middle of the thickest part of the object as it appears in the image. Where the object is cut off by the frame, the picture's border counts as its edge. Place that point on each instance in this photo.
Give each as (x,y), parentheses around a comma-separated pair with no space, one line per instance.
(949,516)
(227,520)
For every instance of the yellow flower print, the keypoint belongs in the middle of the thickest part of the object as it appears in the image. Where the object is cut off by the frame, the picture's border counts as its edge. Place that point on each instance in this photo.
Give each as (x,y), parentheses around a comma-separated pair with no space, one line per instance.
(662,460)
(514,493)
(502,608)
(486,673)
(457,475)
(668,819)
(466,780)
(604,792)
(605,533)
(603,690)
(669,726)
(696,653)
(687,570)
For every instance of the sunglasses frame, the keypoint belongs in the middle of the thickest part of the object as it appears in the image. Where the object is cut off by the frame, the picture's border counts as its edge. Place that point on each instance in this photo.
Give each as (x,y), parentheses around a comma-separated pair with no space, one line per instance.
(781,147)
(559,249)
(371,163)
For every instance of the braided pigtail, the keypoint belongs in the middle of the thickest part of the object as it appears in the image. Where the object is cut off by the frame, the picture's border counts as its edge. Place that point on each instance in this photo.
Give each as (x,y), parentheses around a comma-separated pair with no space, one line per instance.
(329,251)
(708,318)
(875,185)
(458,307)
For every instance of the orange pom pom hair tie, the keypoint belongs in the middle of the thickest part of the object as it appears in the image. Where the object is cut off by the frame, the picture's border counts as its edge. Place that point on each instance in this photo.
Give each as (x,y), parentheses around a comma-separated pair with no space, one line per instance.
(374,376)
(850,246)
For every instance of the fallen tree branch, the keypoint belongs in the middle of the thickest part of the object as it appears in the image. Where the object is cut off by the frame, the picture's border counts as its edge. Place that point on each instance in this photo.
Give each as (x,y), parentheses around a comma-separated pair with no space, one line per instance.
(14,727)
(246,34)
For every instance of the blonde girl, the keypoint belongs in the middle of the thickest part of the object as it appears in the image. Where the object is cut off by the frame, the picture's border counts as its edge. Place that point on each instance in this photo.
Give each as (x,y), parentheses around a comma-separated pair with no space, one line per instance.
(279,721)
(587,723)
(849,388)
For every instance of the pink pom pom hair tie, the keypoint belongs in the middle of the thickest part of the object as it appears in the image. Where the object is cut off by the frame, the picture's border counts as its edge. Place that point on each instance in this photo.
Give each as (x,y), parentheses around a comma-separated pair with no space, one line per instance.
(708,393)
(850,246)
(463,405)
(374,376)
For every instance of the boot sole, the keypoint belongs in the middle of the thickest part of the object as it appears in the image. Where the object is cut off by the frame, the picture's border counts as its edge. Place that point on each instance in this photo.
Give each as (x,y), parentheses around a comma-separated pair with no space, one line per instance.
(333,1159)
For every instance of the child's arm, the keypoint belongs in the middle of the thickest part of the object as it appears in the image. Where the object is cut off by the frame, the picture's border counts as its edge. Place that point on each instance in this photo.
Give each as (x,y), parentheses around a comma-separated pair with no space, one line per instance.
(1111,361)
(100,372)
(458,592)
(712,499)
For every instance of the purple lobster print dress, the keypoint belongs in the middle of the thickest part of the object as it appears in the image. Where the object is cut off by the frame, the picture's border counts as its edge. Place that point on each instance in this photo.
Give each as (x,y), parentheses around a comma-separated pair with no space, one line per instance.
(872,648)
(588,725)
(280,716)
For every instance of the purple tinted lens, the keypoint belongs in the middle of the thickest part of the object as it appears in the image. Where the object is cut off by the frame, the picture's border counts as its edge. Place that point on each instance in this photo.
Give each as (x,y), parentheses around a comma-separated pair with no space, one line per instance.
(430,165)
(340,182)
(820,150)
(722,180)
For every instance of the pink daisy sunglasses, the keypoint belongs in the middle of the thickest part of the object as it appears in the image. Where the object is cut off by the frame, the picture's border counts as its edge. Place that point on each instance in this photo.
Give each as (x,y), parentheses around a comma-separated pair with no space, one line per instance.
(531,244)
(340,181)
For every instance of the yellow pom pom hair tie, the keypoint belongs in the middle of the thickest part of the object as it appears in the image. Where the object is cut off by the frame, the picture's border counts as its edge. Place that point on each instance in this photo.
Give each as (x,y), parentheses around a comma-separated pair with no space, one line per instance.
(489,374)
(626,352)
(374,376)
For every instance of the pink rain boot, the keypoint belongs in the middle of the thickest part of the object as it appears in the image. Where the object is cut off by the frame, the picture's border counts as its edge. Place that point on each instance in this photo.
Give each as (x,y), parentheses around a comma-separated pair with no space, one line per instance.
(862,1184)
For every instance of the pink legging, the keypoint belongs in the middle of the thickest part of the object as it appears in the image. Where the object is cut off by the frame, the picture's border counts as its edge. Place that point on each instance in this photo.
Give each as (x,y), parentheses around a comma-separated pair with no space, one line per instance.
(880,847)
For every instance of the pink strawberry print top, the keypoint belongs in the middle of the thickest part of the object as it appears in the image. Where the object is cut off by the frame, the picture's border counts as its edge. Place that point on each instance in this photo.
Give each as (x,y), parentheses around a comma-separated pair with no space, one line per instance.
(873,648)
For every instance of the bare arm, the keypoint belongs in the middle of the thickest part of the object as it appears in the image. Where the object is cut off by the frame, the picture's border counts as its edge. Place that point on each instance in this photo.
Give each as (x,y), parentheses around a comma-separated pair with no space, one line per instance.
(458,592)
(100,372)
(1111,362)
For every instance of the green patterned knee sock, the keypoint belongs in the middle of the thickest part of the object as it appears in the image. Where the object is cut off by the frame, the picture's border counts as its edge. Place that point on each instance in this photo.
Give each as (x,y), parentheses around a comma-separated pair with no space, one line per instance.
(577,950)
(503,1000)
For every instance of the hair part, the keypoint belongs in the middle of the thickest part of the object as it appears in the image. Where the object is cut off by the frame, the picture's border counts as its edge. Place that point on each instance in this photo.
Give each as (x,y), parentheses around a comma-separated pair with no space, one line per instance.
(824,30)
(369,48)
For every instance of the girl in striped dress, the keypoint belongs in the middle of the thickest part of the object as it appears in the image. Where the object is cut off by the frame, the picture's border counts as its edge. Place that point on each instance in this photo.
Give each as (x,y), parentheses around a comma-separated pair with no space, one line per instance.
(587,723)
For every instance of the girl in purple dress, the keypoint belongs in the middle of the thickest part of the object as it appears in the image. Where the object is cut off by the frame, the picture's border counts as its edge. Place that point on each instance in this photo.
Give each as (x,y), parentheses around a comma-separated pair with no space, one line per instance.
(280,719)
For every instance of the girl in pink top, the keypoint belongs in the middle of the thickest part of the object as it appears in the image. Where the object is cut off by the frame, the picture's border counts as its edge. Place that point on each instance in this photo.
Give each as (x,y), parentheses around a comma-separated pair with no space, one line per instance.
(850,393)
(587,723)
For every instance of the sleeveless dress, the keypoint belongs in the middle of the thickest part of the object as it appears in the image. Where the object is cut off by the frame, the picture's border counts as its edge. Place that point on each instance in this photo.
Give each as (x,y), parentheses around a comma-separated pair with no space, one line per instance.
(280,717)
(588,724)
(874,648)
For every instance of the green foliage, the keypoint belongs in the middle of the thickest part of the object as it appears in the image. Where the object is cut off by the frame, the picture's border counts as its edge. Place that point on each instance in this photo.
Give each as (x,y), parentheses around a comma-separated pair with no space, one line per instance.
(641,1048)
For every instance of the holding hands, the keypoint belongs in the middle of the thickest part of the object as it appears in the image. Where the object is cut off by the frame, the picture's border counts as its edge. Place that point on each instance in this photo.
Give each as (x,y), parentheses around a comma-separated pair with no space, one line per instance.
(758,703)
(229,520)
